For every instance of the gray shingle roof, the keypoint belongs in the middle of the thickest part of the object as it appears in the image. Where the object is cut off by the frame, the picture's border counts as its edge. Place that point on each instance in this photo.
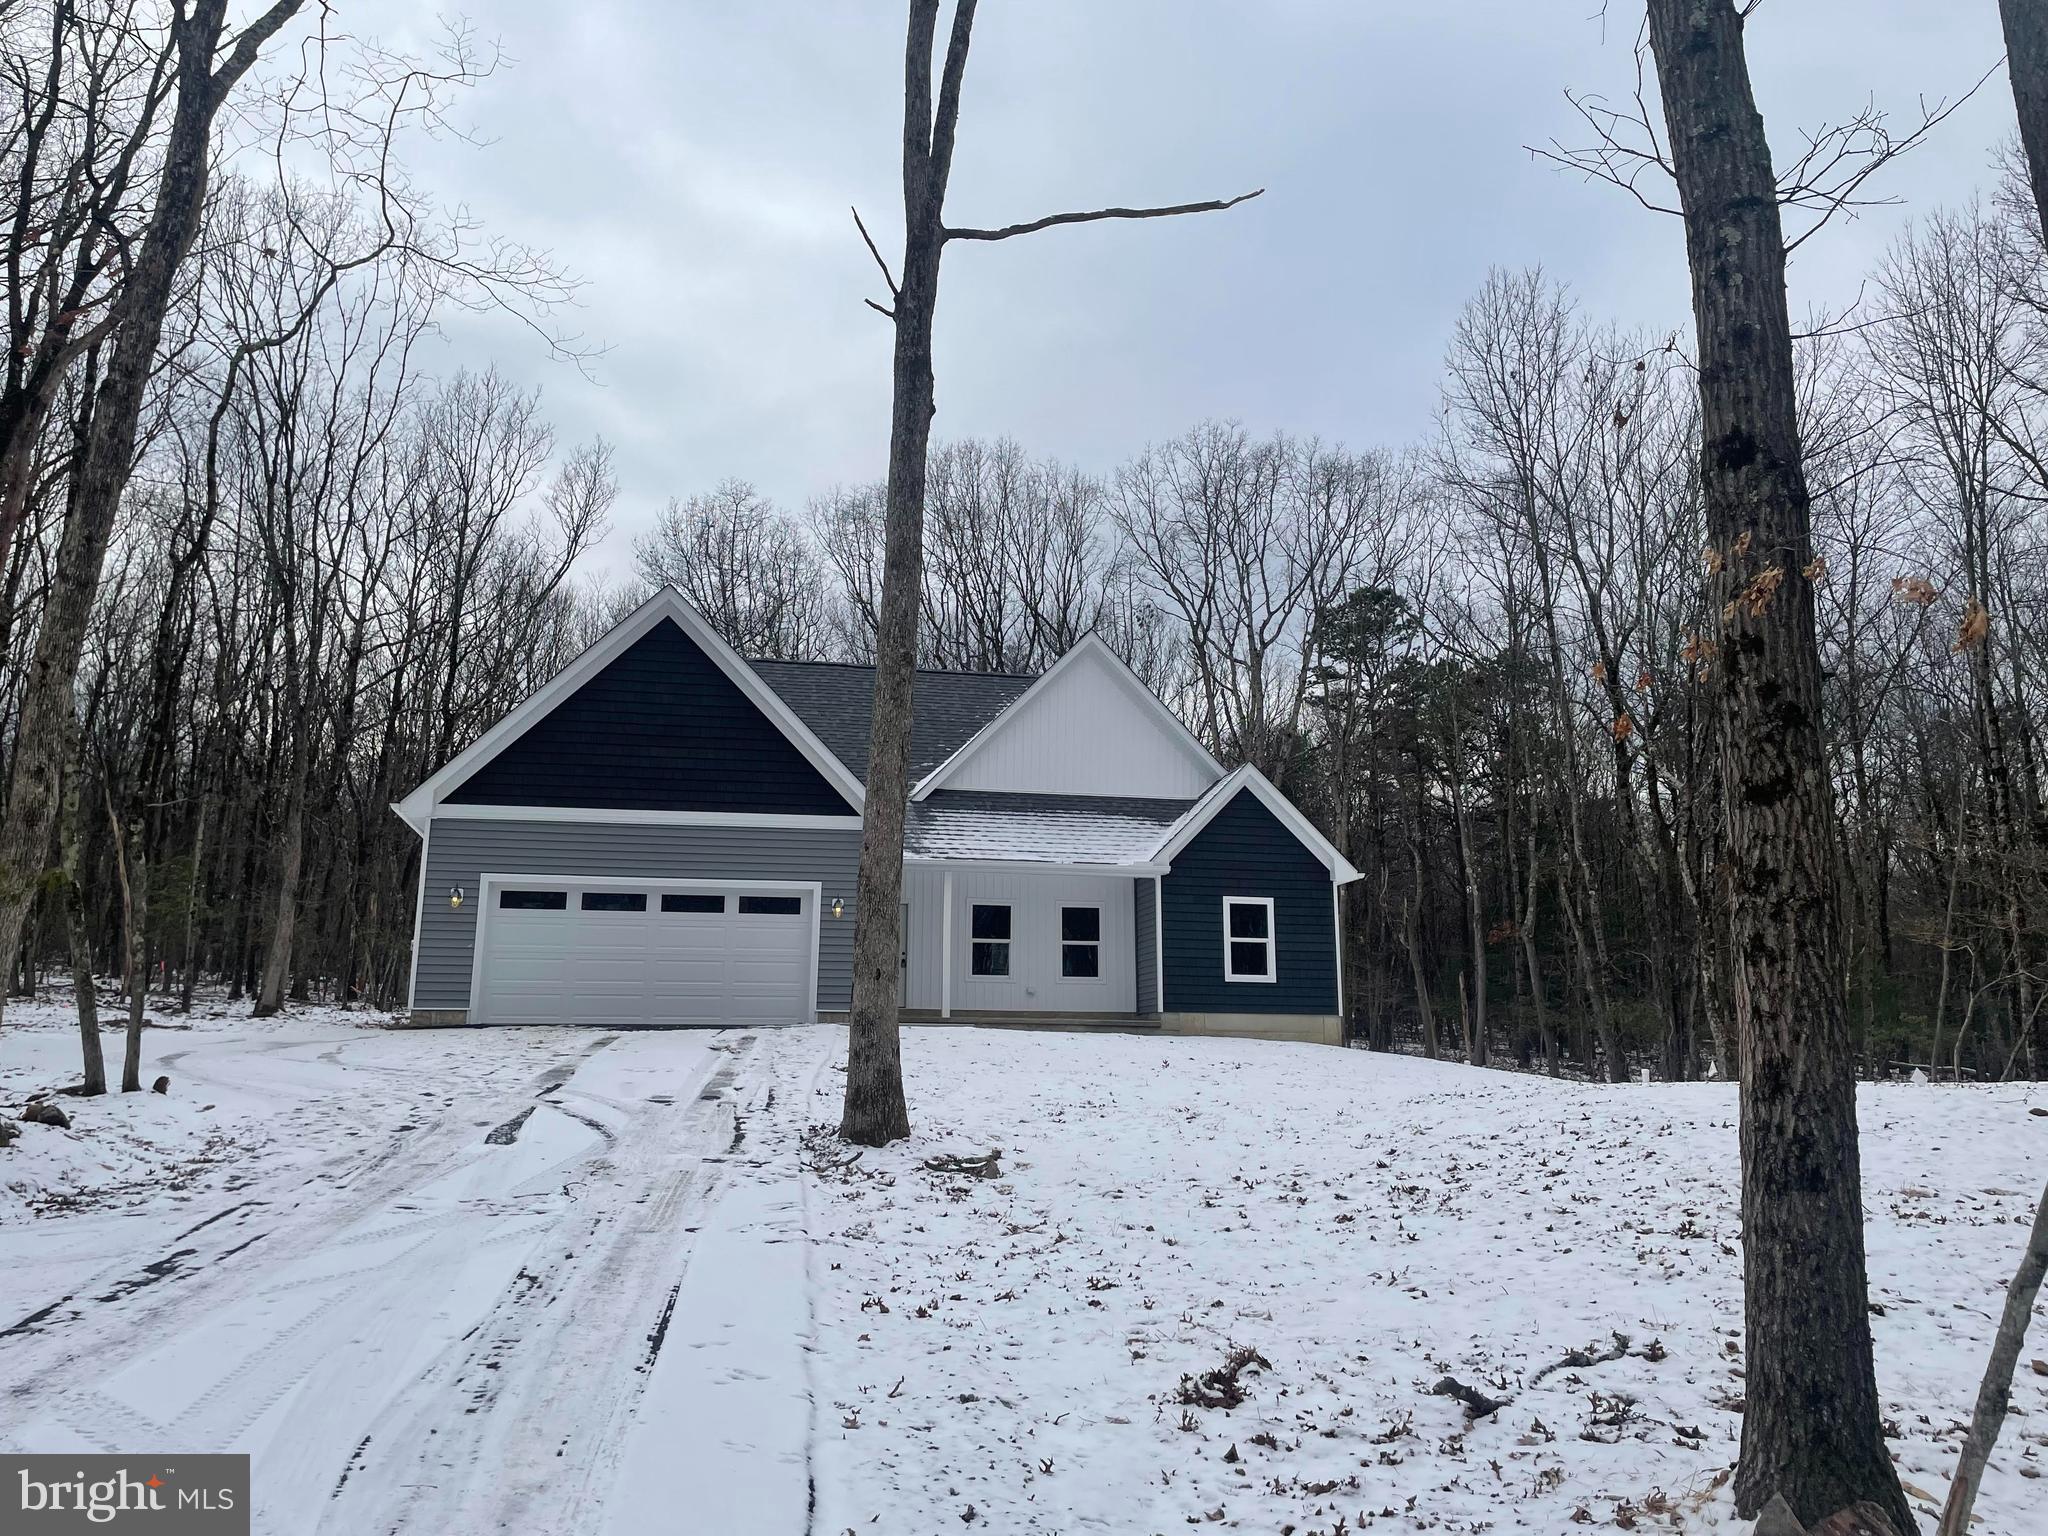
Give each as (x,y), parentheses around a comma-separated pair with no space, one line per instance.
(1053,829)
(835,699)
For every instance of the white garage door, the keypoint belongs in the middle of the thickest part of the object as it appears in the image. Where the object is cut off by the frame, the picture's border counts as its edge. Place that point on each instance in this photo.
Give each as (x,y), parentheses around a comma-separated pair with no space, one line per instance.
(568,952)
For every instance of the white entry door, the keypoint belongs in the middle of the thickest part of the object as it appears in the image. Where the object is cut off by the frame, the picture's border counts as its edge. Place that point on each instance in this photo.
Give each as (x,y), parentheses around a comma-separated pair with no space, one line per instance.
(661,954)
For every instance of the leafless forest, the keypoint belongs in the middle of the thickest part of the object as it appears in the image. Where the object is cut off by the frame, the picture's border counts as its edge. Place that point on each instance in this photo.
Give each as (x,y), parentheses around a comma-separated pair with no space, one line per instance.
(1481,658)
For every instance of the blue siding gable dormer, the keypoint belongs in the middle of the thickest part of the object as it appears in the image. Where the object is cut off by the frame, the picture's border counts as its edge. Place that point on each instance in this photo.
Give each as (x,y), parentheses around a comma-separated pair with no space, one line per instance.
(1246,851)
(660,728)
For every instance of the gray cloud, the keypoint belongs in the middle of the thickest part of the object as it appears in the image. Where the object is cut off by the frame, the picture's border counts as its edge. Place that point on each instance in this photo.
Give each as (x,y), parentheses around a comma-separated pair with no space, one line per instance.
(693,161)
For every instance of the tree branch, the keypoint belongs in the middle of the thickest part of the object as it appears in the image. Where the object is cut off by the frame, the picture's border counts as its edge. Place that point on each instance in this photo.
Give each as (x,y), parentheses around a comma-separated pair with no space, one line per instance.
(894,291)
(1096,215)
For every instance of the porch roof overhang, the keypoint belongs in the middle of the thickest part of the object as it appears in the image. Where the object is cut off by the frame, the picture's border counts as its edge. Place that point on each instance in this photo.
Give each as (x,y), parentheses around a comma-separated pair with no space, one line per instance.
(998,827)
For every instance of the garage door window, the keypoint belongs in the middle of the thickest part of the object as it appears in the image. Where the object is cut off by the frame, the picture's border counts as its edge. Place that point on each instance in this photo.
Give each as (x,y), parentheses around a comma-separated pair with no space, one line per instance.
(771,906)
(615,901)
(692,901)
(534,901)
(1080,943)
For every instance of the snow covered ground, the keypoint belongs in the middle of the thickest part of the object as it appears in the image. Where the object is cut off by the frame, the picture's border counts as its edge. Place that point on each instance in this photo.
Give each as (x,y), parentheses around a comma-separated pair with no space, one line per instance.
(543,1280)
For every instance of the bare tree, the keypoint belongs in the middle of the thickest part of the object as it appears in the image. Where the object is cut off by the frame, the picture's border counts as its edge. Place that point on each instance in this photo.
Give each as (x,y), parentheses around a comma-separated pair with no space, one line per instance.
(1811,1430)
(748,568)
(875,1111)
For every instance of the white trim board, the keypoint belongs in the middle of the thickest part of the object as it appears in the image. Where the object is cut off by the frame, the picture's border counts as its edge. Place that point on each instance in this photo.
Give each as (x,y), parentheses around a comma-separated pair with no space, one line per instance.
(450,812)
(1037,866)
(666,603)
(1204,810)
(487,883)
(1090,645)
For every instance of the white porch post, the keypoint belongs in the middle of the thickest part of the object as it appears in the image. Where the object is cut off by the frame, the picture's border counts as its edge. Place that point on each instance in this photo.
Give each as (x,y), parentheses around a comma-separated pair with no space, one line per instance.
(1159,942)
(946,947)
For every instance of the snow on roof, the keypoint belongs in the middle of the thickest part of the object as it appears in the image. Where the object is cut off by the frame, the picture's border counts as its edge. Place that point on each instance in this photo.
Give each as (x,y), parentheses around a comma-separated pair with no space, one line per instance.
(1049,829)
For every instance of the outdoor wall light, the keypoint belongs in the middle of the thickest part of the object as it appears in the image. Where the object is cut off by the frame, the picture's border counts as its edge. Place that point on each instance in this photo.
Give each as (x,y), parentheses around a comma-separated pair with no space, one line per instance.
(455,897)
(838,907)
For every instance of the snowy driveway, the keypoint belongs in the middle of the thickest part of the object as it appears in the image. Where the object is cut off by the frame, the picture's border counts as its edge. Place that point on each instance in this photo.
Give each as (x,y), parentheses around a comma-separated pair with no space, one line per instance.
(449,1326)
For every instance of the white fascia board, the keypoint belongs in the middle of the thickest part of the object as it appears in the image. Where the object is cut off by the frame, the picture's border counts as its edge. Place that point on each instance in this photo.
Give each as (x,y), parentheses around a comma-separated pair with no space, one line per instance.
(451,812)
(666,603)
(1199,815)
(1035,866)
(1088,643)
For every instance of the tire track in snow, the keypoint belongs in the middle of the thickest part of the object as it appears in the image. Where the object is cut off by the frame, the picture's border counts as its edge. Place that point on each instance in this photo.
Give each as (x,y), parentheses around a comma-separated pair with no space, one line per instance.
(520,1424)
(326,1214)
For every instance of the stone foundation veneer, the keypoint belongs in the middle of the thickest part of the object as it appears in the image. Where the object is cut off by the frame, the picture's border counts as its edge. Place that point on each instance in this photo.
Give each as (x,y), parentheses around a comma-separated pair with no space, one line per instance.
(431,1018)
(1314,1028)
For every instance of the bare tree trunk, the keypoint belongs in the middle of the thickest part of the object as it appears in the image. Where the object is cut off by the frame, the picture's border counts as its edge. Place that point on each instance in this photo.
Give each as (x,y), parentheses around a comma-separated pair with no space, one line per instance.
(1532,959)
(77,935)
(134,916)
(1475,931)
(875,1112)
(291,848)
(1994,1395)
(1811,1430)
(2026,57)
(1411,925)
(189,979)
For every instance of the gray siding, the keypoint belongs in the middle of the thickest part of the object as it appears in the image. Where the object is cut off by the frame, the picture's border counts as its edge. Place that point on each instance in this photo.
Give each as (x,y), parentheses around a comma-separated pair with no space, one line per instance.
(459,851)
(1145,924)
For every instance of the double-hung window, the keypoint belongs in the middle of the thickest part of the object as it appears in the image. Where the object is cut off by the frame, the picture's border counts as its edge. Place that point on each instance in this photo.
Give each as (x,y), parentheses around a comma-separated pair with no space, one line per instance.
(1248,938)
(990,953)
(1080,943)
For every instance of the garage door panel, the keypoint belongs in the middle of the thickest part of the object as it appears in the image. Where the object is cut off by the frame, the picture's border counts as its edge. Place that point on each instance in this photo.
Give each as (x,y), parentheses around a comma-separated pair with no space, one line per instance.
(632,968)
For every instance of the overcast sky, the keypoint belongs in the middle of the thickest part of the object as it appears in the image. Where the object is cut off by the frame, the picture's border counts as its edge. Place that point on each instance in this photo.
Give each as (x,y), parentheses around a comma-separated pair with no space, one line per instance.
(692,161)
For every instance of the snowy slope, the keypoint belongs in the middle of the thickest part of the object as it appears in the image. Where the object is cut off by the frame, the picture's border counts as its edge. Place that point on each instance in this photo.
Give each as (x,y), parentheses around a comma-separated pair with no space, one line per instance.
(1013,1348)
(666,1299)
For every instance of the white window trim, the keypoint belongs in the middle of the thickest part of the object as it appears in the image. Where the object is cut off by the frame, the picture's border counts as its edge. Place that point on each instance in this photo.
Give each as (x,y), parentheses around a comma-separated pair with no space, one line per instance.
(1009,971)
(1062,941)
(1271,941)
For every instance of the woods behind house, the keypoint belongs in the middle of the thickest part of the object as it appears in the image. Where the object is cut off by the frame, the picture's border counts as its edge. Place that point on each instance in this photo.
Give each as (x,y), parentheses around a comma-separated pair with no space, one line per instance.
(1479,658)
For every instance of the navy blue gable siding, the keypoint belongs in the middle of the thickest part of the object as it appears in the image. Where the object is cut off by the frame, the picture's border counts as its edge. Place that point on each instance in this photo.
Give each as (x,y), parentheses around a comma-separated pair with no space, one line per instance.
(660,728)
(1246,851)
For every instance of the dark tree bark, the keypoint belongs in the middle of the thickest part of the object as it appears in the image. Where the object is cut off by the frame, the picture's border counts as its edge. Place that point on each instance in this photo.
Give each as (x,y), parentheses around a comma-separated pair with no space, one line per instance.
(135,931)
(2026,57)
(1811,1430)
(875,1112)
(77,932)
(109,448)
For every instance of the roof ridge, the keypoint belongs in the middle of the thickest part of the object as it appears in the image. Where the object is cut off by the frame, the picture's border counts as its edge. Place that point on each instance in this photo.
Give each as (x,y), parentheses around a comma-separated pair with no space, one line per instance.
(869,666)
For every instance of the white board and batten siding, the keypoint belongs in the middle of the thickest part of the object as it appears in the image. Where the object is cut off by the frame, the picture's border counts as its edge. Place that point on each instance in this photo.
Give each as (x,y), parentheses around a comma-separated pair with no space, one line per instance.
(1091,731)
(1034,984)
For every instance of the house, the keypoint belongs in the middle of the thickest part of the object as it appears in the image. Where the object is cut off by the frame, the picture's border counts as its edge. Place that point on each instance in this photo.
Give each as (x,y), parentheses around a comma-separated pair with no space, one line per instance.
(667,834)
